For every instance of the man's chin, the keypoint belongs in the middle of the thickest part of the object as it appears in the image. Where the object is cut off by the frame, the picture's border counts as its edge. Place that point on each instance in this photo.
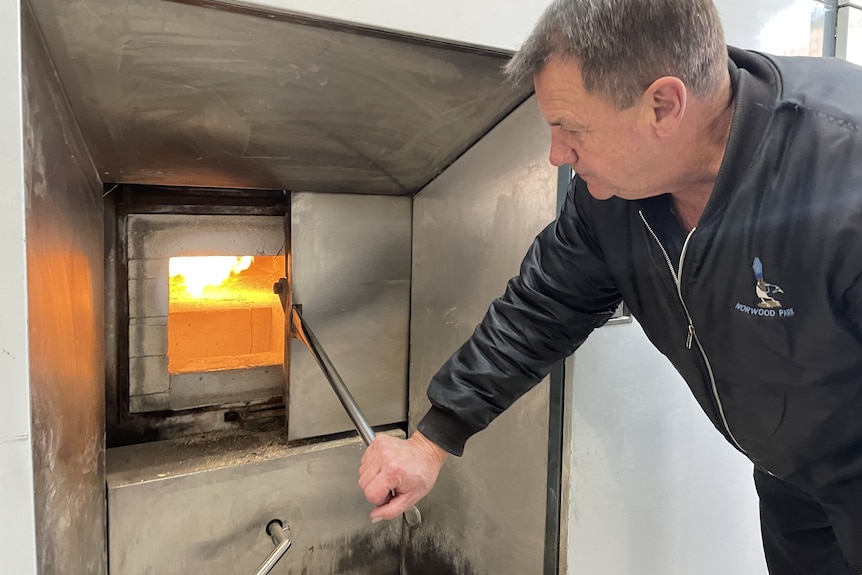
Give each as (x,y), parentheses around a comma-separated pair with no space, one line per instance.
(599,192)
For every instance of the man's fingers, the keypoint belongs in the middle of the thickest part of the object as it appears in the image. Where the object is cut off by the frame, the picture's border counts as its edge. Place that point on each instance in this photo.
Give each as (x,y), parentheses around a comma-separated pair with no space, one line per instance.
(377,491)
(371,459)
(391,510)
(367,475)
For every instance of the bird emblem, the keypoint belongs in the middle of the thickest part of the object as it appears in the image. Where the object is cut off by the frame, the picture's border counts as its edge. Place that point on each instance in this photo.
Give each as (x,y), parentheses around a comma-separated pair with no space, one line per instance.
(765,290)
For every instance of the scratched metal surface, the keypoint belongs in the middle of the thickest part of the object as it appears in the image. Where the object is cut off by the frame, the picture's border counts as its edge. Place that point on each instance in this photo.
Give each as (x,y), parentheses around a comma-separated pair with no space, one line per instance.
(350,272)
(472,226)
(65,307)
(179,94)
(201,505)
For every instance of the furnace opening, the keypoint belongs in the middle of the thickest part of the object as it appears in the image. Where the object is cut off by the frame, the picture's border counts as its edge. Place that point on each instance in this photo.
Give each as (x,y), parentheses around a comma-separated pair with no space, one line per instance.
(222,313)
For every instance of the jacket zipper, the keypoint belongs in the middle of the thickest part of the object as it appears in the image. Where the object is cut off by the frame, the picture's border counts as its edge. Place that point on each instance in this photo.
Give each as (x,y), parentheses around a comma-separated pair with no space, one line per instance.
(692,335)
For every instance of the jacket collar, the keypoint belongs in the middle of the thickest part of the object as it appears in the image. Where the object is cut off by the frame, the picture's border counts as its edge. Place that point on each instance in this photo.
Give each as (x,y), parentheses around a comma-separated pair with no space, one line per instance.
(755,83)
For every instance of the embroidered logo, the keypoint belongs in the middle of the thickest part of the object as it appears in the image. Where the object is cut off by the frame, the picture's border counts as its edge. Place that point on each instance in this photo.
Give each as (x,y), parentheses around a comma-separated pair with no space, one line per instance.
(769,305)
(763,289)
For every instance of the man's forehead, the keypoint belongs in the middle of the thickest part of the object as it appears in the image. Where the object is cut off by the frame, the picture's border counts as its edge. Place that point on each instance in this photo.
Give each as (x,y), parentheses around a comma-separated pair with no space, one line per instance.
(561,108)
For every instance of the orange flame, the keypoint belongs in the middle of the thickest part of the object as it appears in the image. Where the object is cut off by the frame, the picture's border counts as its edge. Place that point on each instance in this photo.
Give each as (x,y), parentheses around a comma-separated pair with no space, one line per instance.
(200,272)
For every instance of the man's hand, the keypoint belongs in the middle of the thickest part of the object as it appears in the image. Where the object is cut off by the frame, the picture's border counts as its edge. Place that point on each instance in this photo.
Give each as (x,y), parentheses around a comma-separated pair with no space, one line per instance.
(408,468)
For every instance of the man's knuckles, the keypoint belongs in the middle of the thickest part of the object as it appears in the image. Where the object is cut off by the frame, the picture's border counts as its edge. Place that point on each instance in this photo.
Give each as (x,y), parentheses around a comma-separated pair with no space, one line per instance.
(393,470)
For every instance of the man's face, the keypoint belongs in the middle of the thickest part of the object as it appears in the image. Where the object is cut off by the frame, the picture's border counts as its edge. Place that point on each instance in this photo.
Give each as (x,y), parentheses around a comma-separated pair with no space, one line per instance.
(611,150)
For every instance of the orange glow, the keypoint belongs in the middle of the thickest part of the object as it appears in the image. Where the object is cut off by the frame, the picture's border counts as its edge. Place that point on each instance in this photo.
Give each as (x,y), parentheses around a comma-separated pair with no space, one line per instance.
(198,273)
(222,313)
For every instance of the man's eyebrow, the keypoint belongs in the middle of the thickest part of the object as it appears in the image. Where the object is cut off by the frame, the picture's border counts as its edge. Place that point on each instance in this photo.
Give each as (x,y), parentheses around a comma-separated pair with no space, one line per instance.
(568,125)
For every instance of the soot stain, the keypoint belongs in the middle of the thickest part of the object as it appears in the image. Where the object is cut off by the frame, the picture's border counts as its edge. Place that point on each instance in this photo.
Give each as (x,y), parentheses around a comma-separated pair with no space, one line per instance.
(376,553)
(431,557)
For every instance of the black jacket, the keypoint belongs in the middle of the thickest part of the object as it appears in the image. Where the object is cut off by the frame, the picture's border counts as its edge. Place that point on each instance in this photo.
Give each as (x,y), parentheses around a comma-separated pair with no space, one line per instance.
(759,308)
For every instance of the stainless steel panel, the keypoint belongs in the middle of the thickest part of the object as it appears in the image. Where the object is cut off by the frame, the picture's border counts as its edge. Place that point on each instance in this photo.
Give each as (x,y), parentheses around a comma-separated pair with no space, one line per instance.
(180,94)
(65,308)
(202,506)
(350,266)
(18,537)
(472,226)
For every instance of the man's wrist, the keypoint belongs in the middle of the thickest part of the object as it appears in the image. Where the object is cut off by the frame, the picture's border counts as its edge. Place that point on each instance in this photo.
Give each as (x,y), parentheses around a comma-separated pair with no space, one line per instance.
(433,452)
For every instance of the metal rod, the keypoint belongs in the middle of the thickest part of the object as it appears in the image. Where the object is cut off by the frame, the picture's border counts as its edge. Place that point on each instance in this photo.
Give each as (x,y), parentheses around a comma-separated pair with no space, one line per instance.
(304,333)
(282,544)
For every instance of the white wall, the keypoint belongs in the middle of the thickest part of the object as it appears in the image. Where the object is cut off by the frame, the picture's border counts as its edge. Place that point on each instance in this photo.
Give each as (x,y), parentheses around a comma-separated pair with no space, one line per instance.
(478,22)
(17,528)
(849,44)
(655,489)
(769,25)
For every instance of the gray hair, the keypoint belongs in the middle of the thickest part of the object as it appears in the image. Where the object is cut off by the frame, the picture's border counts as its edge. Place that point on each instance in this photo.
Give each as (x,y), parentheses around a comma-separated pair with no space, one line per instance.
(623,46)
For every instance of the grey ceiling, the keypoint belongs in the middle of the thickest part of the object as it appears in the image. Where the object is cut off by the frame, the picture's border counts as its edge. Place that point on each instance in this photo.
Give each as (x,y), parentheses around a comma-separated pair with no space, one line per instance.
(173,93)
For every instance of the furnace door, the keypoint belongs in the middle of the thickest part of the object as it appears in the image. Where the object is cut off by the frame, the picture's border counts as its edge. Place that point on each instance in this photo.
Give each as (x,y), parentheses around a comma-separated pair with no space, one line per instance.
(350,272)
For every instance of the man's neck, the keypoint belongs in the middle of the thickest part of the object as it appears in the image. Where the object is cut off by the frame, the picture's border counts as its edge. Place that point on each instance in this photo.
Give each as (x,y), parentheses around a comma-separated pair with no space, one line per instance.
(689,208)
(703,151)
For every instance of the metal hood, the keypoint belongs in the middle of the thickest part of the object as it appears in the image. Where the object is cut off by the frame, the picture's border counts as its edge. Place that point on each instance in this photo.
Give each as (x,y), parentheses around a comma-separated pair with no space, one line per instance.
(215,95)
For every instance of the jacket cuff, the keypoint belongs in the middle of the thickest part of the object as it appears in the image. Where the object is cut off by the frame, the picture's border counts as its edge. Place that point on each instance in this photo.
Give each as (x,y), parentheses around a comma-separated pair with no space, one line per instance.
(445,429)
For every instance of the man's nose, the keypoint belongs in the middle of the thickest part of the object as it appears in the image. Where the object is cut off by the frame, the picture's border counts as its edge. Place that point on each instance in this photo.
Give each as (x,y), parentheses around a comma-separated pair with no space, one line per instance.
(561,153)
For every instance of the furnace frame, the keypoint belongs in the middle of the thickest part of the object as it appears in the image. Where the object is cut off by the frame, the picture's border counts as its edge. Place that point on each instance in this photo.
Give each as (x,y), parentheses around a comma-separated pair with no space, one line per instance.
(125,426)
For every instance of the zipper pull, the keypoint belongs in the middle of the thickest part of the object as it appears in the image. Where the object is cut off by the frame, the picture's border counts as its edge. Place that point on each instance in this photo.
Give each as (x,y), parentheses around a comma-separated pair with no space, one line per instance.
(690,336)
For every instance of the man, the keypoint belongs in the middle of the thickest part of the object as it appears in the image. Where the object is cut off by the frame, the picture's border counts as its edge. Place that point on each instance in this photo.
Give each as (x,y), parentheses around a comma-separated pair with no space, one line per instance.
(721,199)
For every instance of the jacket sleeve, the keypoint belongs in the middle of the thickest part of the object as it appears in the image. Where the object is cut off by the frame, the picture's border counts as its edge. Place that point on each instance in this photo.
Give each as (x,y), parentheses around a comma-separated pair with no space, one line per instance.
(852,301)
(564,290)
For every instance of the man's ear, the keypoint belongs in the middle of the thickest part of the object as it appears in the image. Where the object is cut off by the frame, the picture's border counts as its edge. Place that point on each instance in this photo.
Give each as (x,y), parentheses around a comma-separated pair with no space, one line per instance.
(665,101)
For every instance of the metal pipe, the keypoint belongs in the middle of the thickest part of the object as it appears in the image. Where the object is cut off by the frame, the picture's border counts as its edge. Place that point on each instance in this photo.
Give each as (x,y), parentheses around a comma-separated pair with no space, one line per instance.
(275,530)
(304,333)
